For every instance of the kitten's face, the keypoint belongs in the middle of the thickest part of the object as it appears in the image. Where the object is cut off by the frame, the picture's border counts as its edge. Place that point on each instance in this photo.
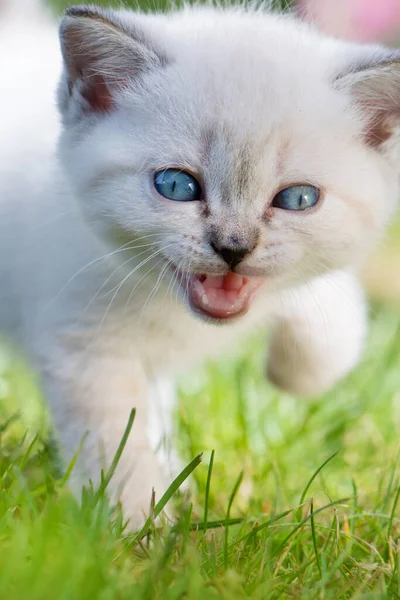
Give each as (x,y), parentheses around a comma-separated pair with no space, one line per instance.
(247,168)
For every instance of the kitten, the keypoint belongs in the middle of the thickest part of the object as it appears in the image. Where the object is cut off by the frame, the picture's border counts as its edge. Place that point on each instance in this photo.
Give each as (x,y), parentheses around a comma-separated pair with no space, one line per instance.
(216,170)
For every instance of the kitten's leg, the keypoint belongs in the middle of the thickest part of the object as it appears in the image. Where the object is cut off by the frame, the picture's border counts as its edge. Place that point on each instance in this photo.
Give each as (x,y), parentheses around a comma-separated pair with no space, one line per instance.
(94,395)
(162,400)
(319,336)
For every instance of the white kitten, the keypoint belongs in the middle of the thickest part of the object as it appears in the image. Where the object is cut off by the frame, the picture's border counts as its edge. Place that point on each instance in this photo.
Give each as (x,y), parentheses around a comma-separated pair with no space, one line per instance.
(219,169)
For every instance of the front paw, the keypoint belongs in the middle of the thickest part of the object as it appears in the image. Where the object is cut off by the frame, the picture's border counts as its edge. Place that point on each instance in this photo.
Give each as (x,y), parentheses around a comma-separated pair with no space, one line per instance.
(307,369)
(298,379)
(320,335)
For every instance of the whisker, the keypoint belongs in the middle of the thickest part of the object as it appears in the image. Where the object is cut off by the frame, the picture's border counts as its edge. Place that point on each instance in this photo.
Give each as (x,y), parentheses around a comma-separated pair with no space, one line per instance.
(140,282)
(143,262)
(158,283)
(123,264)
(130,259)
(125,247)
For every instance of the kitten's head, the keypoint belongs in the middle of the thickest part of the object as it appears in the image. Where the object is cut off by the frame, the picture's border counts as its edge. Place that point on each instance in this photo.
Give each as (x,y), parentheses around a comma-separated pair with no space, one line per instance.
(250,149)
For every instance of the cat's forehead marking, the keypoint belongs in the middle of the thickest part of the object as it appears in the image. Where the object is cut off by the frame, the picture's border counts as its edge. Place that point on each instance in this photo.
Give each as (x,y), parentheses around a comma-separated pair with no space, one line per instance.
(281,156)
(229,159)
(236,181)
(206,138)
(243,169)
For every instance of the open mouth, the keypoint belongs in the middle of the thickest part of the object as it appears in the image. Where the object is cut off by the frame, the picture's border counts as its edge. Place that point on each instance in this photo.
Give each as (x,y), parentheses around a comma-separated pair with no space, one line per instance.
(220,297)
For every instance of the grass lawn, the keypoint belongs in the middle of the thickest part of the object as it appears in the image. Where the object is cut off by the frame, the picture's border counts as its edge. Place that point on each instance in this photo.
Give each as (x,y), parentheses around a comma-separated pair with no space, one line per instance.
(292,498)
(280,522)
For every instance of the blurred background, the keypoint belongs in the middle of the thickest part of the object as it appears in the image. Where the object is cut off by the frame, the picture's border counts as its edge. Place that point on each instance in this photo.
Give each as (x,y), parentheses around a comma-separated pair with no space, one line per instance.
(363,20)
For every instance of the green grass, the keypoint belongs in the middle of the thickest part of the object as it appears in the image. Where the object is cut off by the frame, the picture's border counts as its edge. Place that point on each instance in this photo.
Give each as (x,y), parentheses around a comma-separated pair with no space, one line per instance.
(265,522)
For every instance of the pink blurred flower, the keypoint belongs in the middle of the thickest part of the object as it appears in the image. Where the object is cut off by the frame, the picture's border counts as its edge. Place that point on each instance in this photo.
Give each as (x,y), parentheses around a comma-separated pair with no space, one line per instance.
(363,20)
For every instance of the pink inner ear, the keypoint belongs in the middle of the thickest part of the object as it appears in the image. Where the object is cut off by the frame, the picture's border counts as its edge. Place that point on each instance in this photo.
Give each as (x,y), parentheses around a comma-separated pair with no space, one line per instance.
(380,130)
(97,94)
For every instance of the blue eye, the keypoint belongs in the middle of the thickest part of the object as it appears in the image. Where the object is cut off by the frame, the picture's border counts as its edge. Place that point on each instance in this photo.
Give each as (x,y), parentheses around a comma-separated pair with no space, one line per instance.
(297,197)
(177,185)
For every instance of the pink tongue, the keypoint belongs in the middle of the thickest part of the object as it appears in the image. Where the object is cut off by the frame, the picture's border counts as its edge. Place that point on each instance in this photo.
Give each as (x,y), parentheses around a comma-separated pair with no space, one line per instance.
(222,296)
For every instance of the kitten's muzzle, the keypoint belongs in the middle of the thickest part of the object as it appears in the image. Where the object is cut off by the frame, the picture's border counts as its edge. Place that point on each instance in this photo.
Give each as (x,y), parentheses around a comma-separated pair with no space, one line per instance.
(233,250)
(232,256)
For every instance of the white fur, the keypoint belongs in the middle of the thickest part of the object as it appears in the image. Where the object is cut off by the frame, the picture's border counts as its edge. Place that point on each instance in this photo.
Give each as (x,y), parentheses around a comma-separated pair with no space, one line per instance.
(255,81)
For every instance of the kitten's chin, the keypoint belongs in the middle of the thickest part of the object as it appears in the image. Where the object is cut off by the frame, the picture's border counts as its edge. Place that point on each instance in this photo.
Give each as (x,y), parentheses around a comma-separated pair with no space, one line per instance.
(220,297)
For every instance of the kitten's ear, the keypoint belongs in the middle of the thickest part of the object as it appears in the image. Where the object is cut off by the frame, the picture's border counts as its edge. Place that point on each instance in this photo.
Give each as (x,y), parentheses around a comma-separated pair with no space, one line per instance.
(101,53)
(374,85)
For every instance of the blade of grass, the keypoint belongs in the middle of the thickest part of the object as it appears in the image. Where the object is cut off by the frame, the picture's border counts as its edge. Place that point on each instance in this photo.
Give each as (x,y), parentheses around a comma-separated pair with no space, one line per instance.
(392,513)
(300,525)
(390,485)
(175,485)
(12,419)
(105,480)
(27,454)
(228,514)
(355,501)
(208,484)
(313,476)
(216,524)
(64,479)
(263,526)
(314,538)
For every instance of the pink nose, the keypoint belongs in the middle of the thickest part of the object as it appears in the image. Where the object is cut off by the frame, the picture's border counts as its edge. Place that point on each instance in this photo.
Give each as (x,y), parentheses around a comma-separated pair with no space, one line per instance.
(231,255)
